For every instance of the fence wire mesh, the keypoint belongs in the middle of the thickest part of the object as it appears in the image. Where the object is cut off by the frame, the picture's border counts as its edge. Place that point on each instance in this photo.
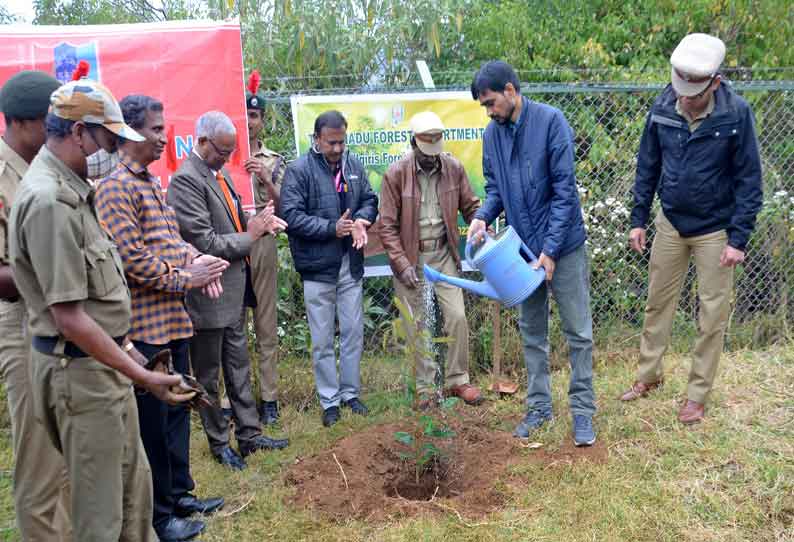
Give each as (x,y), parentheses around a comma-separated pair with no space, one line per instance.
(607,121)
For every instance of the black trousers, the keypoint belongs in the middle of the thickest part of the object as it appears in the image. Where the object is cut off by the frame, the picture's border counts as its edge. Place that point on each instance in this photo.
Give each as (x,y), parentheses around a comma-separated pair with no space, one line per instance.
(165,433)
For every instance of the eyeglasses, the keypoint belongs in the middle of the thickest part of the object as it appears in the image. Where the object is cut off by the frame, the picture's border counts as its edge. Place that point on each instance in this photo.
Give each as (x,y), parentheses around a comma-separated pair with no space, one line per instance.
(110,148)
(702,92)
(430,137)
(225,154)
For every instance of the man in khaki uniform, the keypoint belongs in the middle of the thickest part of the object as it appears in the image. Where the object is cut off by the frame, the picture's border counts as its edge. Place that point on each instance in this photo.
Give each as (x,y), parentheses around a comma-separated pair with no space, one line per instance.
(267,168)
(421,195)
(700,153)
(40,483)
(71,277)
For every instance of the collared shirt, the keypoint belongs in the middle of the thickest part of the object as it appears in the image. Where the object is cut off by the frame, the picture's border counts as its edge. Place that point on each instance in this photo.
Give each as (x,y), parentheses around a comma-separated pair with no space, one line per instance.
(12,169)
(275,167)
(131,208)
(59,252)
(431,219)
(697,121)
(214,174)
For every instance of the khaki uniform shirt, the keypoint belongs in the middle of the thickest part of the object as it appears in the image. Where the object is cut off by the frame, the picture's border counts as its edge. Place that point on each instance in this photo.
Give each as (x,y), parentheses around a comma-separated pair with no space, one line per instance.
(60,253)
(431,219)
(12,168)
(275,165)
(697,121)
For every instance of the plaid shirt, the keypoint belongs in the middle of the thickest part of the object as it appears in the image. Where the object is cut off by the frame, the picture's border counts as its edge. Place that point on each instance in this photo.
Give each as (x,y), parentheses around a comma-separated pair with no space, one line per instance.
(131,208)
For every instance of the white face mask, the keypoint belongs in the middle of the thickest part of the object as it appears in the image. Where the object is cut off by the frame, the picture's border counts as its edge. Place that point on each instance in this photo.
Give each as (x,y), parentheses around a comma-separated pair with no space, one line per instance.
(101,163)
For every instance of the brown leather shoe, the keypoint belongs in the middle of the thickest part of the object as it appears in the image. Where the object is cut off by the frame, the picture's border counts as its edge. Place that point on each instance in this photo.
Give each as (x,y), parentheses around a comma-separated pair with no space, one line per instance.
(470,394)
(691,412)
(639,389)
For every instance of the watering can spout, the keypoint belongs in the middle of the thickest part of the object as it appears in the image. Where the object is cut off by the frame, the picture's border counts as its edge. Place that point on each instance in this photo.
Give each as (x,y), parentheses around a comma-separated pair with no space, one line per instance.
(480,288)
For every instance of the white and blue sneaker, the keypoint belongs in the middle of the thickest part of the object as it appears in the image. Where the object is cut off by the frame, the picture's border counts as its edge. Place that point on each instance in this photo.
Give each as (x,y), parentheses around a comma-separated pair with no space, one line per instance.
(531,422)
(583,432)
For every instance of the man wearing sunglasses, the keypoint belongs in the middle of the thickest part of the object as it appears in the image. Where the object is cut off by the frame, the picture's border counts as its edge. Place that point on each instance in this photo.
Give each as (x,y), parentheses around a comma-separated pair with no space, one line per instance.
(699,152)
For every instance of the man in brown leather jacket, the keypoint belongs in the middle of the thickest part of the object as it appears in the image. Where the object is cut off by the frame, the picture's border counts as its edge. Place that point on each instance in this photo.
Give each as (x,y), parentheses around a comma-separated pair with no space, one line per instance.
(421,195)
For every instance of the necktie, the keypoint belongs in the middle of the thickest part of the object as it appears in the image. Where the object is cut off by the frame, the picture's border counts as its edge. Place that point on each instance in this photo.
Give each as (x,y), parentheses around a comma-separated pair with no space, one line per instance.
(229,201)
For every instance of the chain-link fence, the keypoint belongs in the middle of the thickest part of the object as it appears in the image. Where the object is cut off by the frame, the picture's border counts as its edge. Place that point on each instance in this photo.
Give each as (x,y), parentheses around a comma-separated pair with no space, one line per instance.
(607,121)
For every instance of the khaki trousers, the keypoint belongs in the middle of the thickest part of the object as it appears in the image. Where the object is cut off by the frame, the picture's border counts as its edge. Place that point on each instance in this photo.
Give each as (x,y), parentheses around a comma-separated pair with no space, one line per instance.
(41,488)
(670,255)
(89,413)
(264,272)
(450,298)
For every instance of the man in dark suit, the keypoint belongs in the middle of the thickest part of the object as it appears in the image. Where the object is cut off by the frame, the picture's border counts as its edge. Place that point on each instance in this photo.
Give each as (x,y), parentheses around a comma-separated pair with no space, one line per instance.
(211,218)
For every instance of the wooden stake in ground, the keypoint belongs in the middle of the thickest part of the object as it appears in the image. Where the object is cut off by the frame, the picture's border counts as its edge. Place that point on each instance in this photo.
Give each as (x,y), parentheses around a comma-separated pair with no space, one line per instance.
(499,385)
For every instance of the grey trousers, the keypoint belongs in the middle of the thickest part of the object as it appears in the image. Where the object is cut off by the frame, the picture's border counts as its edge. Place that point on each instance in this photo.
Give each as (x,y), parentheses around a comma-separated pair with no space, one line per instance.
(228,347)
(570,287)
(325,301)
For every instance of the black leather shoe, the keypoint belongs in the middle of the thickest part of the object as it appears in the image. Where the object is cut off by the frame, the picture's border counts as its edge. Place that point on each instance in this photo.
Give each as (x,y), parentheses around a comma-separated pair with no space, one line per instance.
(356,406)
(188,504)
(268,412)
(230,458)
(330,416)
(177,529)
(261,442)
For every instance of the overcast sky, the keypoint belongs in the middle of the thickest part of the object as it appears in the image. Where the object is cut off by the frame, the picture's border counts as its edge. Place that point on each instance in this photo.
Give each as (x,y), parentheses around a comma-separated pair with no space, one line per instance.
(21,8)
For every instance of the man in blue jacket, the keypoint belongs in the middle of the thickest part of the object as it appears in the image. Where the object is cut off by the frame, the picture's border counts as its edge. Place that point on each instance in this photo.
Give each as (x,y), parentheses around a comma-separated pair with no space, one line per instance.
(328,204)
(700,154)
(529,174)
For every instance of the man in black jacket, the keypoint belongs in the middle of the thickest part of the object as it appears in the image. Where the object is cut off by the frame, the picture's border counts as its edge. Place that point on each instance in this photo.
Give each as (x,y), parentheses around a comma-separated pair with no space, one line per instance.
(328,204)
(700,154)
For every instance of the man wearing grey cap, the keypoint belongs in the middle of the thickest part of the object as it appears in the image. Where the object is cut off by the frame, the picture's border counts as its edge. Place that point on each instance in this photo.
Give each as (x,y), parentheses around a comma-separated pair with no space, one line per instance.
(78,305)
(699,152)
(421,195)
(40,483)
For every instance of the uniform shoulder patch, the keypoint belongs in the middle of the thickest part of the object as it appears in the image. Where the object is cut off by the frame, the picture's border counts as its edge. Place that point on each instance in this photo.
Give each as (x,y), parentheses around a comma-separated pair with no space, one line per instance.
(66,194)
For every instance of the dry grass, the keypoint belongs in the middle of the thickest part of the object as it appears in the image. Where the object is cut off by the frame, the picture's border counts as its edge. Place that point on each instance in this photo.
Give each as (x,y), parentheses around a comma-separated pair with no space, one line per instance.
(728,479)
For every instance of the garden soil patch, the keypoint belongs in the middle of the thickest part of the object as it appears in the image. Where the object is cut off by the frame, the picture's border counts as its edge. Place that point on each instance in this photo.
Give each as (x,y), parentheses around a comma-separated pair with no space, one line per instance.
(379,484)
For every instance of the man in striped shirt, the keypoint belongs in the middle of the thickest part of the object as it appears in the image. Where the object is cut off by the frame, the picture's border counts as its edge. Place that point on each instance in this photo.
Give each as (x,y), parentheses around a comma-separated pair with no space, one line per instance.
(160,268)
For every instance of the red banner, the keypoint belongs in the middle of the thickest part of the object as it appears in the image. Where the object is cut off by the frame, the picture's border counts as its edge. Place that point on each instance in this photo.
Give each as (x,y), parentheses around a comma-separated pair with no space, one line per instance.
(192,67)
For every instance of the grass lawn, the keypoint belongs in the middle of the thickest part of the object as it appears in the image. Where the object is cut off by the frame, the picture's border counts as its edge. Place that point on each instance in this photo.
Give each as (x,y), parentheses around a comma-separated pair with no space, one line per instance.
(728,479)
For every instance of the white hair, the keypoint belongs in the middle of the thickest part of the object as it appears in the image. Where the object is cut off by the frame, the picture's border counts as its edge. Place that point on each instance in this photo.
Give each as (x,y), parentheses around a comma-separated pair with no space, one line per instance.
(214,123)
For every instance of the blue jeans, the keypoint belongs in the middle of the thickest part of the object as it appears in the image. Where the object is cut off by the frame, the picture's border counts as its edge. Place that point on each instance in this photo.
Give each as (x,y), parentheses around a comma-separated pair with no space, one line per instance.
(570,287)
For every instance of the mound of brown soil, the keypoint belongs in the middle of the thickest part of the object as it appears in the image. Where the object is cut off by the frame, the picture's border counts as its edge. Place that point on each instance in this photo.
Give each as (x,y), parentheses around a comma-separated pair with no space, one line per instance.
(365,476)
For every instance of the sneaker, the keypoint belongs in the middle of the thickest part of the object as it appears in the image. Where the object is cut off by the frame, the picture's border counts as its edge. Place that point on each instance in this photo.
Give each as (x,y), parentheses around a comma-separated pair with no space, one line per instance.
(531,422)
(583,433)
(330,416)
(356,406)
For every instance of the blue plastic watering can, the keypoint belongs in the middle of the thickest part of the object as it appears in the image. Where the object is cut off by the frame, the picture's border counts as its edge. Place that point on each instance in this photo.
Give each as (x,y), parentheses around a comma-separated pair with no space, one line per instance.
(508,277)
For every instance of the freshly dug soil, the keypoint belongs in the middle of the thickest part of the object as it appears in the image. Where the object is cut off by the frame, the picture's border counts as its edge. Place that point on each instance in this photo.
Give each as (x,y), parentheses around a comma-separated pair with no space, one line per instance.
(379,483)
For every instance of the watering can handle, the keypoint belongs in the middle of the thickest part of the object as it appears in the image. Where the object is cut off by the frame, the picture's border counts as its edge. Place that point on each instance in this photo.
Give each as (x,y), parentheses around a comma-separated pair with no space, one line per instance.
(469,246)
(528,252)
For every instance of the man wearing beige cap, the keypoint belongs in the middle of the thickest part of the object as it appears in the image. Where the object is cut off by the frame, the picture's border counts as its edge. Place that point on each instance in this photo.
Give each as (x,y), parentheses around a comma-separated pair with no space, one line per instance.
(700,154)
(78,305)
(421,195)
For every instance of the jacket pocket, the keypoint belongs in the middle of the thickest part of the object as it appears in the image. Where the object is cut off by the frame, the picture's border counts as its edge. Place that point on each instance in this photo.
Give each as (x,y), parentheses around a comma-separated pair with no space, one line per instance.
(715,149)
